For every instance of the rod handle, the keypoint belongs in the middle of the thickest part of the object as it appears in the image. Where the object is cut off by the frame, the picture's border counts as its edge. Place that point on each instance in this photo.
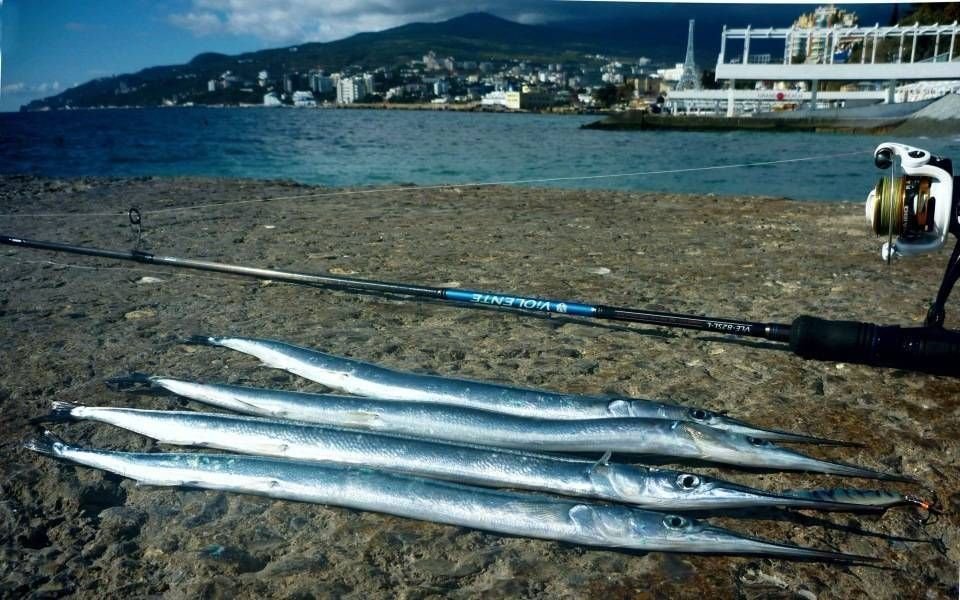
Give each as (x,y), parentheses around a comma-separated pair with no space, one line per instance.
(929,349)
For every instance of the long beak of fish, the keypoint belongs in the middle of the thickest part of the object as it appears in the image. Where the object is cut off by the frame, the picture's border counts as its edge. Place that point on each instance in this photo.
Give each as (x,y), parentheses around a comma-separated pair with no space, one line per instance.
(777,435)
(745,496)
(794,461)
(729,542)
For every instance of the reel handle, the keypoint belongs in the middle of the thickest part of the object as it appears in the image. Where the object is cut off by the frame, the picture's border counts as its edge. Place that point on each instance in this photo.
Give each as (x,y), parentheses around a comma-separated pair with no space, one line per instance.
(929,349)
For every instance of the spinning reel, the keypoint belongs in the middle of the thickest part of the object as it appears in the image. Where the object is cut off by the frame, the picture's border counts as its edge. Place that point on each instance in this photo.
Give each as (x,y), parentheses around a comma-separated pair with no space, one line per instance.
(916,207)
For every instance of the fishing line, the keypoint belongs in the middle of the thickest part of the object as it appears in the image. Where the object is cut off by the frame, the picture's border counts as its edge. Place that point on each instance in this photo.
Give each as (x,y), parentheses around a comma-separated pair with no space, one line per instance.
(443,186)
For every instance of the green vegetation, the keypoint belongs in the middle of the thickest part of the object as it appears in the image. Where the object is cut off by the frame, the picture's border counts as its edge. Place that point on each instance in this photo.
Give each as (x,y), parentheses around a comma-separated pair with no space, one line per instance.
(475,37)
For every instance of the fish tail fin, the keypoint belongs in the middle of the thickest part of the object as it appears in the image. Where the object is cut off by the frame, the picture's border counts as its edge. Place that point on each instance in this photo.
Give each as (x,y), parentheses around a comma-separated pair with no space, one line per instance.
(130,381)
(59,412)
(200,340)
(47,444)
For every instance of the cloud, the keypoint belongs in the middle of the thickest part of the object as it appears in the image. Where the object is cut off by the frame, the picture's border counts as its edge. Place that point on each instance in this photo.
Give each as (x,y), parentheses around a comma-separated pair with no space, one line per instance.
(294,21)
(14,88)
(22,89)
(200,23)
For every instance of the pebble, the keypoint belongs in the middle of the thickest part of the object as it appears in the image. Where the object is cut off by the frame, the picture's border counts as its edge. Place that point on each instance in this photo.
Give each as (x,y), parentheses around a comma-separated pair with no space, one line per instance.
(150,280)
(142,313)
(599,271)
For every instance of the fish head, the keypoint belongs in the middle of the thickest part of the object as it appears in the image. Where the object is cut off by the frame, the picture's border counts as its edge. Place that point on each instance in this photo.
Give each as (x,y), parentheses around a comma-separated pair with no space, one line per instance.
(622,527)
(625,527)
(716,445)
(682,490)
(645,486)
(683,534)
(702,416)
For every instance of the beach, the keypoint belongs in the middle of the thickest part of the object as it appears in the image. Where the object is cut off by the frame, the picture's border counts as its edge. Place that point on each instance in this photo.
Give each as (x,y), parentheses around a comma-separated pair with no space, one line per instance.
(71,322)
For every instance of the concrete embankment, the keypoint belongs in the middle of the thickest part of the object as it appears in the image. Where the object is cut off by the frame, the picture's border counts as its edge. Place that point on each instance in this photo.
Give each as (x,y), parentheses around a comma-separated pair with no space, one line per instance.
(938,118)
(646,121)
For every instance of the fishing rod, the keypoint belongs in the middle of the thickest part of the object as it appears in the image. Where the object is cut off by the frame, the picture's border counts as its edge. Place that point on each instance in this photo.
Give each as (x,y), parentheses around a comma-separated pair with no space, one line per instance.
(916,210)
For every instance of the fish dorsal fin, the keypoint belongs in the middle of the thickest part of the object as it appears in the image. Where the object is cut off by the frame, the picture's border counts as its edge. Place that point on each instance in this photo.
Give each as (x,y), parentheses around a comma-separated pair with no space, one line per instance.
(602,463)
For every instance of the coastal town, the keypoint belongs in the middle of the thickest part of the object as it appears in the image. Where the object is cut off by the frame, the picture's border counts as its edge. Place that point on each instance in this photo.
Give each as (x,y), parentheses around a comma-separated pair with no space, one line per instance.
(825,58)
(603,82)
(445,81)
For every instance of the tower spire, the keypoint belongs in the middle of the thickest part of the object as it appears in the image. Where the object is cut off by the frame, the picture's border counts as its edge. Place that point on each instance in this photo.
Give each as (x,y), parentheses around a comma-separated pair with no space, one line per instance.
(689,79)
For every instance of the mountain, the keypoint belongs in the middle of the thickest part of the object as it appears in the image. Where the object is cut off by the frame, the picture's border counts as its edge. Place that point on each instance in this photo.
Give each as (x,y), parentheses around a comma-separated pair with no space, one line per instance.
(473,37)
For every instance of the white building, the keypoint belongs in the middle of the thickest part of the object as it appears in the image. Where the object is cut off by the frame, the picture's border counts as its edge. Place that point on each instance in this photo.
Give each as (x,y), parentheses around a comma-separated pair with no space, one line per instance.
(507,99)
(430,61)
(270,99)
(304,99)
(368,83)
(441,87)
(212,85)
(814,49)
(262,78)
(671,75)
(350,90)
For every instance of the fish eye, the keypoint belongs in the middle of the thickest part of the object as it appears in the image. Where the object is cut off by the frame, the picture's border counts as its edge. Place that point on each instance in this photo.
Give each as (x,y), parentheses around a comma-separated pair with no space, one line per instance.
(688,481)
(674,522)
(757,441)
(698,414)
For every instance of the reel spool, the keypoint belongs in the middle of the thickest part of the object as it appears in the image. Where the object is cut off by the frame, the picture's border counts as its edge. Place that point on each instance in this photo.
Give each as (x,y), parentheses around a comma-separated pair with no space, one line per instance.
(915,209)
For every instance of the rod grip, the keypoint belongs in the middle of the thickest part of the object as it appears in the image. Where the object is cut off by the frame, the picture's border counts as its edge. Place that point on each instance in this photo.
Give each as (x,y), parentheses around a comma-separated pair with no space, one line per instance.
(929,349)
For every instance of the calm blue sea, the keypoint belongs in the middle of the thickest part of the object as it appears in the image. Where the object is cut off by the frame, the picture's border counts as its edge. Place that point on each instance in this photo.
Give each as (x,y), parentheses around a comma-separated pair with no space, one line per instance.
(378,147)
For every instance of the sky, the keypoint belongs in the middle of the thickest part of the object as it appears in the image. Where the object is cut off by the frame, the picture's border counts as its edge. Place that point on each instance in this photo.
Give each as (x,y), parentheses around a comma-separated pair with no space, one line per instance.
(49,45)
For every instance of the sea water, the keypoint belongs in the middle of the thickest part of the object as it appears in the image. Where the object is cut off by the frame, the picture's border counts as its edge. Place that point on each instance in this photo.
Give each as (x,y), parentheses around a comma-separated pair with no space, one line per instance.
(393,147)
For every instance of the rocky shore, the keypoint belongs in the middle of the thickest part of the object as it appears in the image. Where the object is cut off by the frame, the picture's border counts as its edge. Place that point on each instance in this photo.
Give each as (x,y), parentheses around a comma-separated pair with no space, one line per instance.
(70,322)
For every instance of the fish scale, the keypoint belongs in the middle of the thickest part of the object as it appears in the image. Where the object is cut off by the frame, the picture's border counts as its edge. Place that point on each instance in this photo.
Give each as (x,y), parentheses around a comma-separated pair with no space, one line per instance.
(287,438)
(365,379)
(511,513)
(629,435)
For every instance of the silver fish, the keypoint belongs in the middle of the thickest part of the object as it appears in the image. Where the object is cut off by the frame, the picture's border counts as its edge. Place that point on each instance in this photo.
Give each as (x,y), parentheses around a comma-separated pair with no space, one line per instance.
(511,513)
(474,465)
(365,379)
(631,435)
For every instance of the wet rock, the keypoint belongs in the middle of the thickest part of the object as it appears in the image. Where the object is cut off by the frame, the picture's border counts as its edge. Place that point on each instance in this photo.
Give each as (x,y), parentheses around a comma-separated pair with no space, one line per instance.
(121,522)
(267,548)
(295,565)
(205,510)
(238,558)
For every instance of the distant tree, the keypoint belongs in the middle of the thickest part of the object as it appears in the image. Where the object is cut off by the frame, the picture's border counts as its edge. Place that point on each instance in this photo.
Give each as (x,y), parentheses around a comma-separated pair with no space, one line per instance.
(606,96)
(894,14)
(708,79)
(926,13)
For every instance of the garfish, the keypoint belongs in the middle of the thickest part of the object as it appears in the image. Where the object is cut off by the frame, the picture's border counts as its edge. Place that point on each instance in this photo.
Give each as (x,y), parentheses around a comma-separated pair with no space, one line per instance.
(510,513)
(365,379)
(455,424)
(473,465)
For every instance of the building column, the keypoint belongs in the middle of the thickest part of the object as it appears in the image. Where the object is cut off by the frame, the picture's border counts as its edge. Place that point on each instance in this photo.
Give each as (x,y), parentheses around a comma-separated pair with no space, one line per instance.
(813,94)
(891,91)
(731,104)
